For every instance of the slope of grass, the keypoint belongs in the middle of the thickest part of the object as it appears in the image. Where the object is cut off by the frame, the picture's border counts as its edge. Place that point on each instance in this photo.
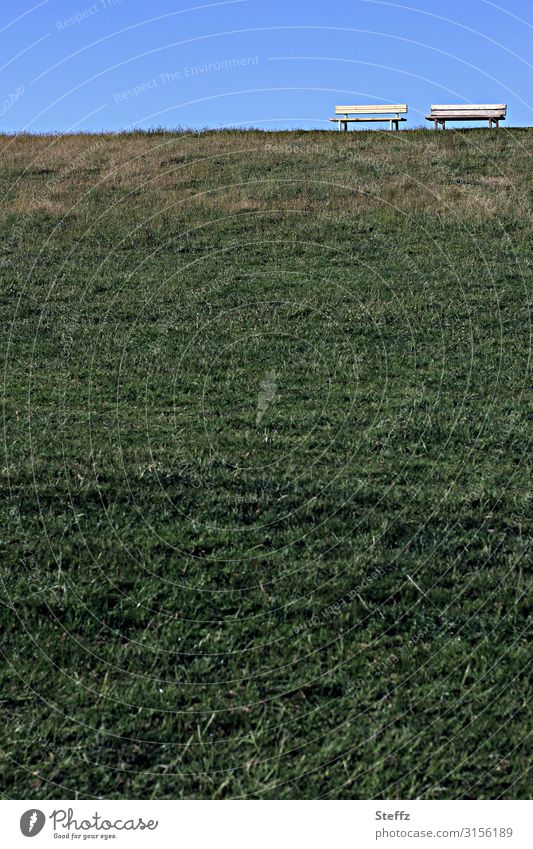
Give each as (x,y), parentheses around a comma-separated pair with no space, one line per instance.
(265,500)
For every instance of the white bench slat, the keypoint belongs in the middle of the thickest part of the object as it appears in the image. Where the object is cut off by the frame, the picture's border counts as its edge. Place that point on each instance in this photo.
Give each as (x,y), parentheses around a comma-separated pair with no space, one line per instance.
(480,113)
(379,109)
(468,107)
(367,120)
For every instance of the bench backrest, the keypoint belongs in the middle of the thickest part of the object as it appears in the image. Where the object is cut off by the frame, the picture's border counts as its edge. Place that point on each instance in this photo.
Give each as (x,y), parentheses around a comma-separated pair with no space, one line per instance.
(381,109)
(443,110)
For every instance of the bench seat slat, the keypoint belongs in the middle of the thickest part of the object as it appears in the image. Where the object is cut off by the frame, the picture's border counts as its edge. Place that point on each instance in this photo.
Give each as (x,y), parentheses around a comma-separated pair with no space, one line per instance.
(466,116)
(366,120)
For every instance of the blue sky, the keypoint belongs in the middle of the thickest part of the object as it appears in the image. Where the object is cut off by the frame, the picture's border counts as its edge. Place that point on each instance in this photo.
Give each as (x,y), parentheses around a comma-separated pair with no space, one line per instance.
(120,64)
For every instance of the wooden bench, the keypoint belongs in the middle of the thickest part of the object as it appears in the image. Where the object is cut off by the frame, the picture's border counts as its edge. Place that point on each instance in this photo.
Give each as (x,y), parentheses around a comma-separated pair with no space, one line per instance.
(373,113)
(441,113)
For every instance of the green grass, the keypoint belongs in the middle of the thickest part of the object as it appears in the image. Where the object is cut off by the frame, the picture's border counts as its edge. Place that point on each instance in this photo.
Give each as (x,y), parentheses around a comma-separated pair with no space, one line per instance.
(330,601)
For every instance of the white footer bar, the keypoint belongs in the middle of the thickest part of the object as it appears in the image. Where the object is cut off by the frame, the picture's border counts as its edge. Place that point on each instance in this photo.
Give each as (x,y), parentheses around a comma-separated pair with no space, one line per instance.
(268,824)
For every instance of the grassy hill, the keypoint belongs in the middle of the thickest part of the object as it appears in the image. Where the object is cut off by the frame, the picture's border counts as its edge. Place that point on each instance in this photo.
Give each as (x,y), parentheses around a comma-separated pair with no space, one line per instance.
(265,512)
